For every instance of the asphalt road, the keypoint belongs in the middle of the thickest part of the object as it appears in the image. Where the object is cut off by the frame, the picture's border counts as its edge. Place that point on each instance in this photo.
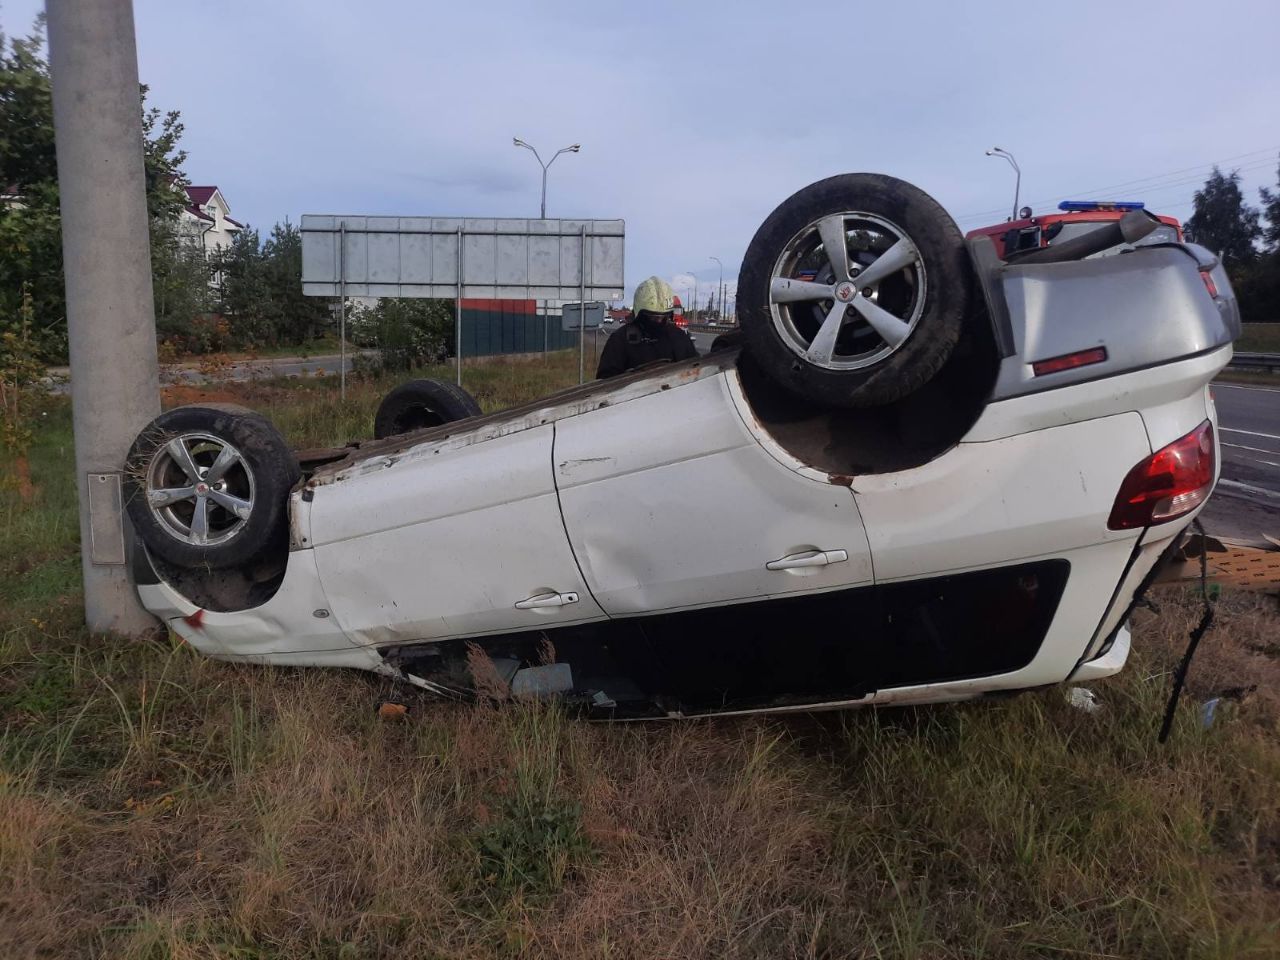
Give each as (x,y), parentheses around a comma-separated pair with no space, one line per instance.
(1247,501)
(1249,421)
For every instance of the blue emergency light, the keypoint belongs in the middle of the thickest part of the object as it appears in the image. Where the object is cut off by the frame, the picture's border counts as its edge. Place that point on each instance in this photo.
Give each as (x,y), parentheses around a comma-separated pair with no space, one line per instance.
(1083,206)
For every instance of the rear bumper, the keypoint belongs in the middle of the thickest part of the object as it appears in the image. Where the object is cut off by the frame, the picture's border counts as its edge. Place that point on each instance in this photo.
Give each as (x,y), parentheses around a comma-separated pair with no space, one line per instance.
(1107,663)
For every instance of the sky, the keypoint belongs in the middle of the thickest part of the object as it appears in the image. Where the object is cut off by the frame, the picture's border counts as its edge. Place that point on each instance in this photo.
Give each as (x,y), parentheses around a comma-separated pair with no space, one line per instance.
(697,119)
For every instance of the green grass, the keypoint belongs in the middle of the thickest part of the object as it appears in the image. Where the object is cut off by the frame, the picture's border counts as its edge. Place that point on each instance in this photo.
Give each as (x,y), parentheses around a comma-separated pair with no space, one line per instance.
(1260,338)
(155,804)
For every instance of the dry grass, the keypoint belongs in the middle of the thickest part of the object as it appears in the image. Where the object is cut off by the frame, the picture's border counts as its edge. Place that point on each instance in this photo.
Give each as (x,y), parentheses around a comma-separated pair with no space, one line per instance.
(154,804)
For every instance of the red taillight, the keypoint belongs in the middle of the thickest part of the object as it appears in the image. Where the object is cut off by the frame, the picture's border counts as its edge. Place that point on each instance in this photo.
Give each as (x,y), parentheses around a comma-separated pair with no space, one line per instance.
(1209,284)
(1171,482)
(1081,358)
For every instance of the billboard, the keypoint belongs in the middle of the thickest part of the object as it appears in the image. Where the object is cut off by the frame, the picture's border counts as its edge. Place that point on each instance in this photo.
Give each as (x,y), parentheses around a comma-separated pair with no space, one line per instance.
(446,257)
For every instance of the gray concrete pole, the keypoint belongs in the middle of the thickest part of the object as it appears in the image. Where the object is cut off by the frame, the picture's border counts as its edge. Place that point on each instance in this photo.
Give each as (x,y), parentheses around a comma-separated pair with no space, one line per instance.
(106,252)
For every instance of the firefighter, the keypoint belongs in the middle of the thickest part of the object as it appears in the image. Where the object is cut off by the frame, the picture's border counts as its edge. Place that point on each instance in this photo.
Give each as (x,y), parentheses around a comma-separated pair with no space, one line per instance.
(651,335)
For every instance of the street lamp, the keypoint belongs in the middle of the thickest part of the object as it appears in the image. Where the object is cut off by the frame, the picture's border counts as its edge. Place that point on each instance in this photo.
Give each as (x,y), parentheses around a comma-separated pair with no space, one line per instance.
(720,295)
(1017,184)
(573,148)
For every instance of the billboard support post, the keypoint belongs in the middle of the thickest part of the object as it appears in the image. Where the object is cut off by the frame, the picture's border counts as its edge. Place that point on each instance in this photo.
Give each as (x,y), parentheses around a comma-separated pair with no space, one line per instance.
(582,308)
(111,330)
(457,313)
(342,315)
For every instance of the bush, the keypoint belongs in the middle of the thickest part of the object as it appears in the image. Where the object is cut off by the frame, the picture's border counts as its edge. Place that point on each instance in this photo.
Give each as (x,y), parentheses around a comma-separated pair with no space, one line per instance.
(409,333)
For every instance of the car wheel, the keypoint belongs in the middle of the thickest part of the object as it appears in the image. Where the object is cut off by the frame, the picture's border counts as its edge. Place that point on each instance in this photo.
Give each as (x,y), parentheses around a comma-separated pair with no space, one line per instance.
(422,403)
(208,486)
(855,290)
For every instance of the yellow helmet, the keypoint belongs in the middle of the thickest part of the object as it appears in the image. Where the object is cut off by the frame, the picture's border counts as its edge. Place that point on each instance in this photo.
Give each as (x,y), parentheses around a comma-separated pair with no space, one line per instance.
(654,296)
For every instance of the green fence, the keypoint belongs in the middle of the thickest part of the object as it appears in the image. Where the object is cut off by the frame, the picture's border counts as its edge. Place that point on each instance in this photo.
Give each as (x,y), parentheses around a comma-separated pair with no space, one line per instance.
(489,332)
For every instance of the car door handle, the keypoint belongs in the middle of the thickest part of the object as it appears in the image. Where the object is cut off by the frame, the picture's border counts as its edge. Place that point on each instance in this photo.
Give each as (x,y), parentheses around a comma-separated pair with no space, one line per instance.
(541,601)
(809,558)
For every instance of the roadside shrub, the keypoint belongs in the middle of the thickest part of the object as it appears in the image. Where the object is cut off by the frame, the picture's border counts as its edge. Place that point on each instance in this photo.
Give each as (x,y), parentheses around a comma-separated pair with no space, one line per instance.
(408,333)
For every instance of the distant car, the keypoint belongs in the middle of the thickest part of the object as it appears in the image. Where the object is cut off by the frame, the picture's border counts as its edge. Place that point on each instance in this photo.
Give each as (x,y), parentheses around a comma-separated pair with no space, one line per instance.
(725,534)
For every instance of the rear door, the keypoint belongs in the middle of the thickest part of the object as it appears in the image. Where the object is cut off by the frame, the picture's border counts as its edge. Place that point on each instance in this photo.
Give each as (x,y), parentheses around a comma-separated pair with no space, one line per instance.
(670,504)
(449,541)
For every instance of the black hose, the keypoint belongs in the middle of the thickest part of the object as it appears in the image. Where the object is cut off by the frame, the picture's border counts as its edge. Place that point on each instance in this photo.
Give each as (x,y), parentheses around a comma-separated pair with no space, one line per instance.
(1206,619)
(1130,228)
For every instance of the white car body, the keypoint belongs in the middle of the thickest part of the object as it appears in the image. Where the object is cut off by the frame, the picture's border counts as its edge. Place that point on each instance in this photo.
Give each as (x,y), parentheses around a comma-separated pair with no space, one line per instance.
(662,498)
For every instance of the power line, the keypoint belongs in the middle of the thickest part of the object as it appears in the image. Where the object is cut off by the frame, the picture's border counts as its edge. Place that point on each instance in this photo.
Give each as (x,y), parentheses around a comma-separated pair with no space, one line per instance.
(1200,168)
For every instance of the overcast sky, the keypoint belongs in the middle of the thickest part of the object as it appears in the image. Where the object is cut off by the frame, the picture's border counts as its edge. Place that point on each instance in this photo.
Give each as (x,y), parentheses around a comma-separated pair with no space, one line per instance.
(696,119)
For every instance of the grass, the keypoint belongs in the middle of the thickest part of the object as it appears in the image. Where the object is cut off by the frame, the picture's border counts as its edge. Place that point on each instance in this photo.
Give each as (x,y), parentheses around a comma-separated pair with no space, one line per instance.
(1259,338)
(155,804)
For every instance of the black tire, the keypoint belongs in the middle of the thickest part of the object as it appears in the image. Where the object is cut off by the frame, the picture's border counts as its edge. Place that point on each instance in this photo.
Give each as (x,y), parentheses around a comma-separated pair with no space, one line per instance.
(726,341)
(263,474)
(419,404)
(932,292)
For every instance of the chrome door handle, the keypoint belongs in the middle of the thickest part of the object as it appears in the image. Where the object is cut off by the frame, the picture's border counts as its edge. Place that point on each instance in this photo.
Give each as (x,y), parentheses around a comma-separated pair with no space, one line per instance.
(542,600)
(810,558)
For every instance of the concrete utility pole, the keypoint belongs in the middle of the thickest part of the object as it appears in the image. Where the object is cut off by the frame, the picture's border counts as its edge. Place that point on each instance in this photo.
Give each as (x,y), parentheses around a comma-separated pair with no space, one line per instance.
(115,389)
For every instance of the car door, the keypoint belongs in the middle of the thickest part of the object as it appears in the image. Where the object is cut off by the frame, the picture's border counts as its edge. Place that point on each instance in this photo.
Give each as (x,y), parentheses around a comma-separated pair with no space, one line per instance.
(671,504)
(460,538)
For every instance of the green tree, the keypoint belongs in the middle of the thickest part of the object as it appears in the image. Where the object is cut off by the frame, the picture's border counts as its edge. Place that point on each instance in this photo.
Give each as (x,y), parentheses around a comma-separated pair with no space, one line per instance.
(1259,286)
(30,226)
(260,290)
(240,280)
(1222,221)
(1271,212)
(294,317)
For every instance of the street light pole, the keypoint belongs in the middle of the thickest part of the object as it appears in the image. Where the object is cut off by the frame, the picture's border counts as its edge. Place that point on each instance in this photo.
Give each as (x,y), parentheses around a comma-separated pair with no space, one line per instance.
(693,285)
(572,148)
(1017,184)
(720,295)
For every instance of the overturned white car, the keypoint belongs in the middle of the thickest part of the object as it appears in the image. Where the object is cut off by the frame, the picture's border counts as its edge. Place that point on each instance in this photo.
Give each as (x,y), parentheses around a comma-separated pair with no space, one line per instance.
(926,474)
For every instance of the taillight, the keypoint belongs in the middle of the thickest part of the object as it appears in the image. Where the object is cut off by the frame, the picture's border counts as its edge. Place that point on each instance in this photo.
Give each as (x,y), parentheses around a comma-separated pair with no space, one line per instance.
(1171,482)
(1209,284)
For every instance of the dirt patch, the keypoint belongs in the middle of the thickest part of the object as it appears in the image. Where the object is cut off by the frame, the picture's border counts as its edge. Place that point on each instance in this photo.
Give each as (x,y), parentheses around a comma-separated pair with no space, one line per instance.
(181,395)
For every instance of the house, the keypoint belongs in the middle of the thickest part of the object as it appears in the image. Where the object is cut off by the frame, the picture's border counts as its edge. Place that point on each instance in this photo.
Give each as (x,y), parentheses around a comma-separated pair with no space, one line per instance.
(206,218)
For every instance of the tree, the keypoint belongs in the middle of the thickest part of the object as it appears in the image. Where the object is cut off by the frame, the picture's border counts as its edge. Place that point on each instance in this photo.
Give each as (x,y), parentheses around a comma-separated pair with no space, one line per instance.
(1259,286)
(260,290)
(1222,221)
(30,226)
(1271,211)
(241,285)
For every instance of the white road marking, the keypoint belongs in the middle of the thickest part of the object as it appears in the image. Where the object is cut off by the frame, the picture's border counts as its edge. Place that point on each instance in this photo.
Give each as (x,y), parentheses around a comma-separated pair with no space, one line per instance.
(1239,446)
(1241,386)
(1249,488)
(1251,433)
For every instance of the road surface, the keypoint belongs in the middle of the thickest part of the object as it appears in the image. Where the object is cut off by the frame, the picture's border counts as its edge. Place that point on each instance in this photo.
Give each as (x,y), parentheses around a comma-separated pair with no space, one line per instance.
(1247,501)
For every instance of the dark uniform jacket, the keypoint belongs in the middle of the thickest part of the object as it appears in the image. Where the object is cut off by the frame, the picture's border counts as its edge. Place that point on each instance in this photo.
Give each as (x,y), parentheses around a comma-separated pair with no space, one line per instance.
(641,342)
